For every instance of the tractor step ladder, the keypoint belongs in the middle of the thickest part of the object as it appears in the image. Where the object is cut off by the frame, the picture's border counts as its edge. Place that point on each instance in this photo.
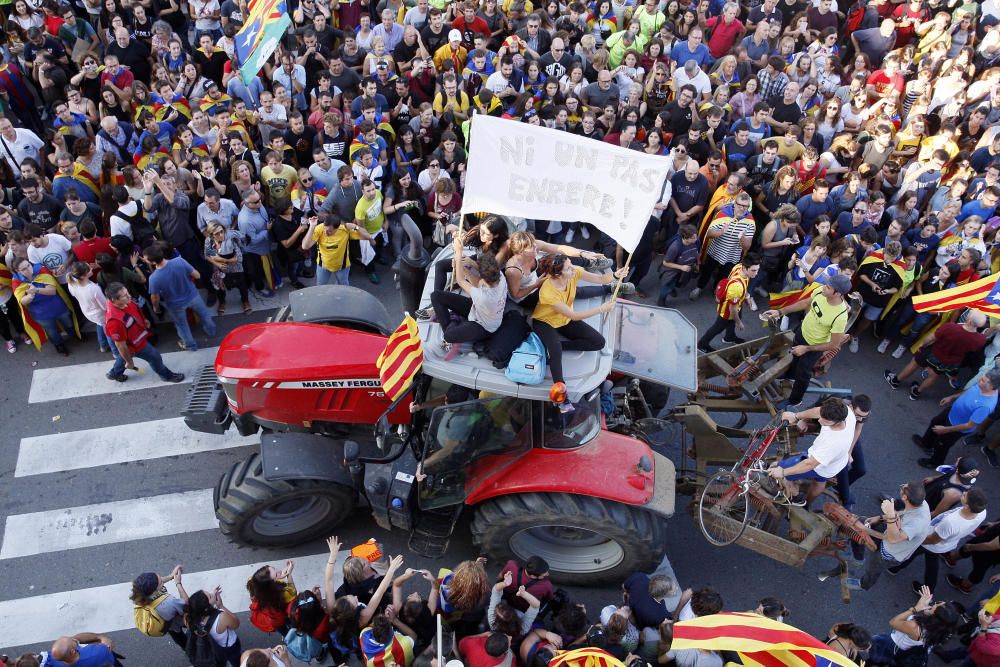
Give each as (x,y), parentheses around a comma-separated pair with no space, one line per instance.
(433,529)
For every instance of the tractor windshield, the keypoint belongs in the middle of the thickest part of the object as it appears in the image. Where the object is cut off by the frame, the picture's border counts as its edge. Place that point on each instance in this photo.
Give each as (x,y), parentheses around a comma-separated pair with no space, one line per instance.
(490,432)
(566,430)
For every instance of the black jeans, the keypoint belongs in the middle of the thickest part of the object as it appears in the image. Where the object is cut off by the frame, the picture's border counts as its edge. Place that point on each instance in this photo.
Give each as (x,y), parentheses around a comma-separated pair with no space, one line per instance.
(10,314)
(721,324)
(940,444)
(932,565)
(237,281)
(800,370)
(446,303)
(712,272)
(851,473)
(982,561)
(576,335)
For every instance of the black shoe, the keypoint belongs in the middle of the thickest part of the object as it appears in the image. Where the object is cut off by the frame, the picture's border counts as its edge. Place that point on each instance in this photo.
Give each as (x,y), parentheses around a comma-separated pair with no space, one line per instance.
(661,302)
(309,273)
(705,348)
(925,462)
(891,378)
(918,441)
(958,583)
(991,456)
(212,298)
(61,349)
(798,500)
(176,377)
(116,378)
(735,340)
(915,586)
(914,392)
(297,285)
(373,277)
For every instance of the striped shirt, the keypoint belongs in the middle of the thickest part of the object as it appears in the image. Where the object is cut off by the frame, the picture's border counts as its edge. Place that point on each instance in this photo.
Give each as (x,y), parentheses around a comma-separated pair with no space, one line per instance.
(727,249)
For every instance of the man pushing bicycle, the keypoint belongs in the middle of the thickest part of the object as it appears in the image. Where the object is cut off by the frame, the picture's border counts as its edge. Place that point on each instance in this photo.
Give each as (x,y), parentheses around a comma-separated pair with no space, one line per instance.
(828,455)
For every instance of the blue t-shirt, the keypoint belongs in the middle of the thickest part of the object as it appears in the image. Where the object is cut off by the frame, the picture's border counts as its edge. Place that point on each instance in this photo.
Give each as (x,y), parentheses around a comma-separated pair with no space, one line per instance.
(845,225)
(976,207)
(173,283)
(91,655)
(924,246)
(164,134)
(811,209)
(681,53)
(971,406)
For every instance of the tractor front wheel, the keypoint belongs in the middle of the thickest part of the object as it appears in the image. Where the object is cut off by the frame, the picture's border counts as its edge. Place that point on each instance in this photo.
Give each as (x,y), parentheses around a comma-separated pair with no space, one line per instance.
(586,541)
(263,513)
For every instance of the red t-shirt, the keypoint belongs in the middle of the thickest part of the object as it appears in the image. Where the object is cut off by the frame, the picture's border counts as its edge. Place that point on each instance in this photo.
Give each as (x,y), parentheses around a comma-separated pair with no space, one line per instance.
(723,35)
(883,84)
(473,650)
(124,79)
(952,342)
(469,30)
(87,250)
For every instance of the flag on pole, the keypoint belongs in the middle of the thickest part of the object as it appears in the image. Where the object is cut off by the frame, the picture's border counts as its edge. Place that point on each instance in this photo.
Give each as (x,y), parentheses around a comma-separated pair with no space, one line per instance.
(266,22)
(759,641)
(982,294)
(779,300)
(401,359)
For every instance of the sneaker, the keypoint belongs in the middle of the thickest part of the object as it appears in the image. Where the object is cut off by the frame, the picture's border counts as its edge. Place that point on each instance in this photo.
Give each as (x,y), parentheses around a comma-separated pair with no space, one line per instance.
(278,282)
(705,348)
(569,236)
(958,583)
(267,294)
(104,350)
(297,285)
(898,352)
(584,232)
(915,392)
(883,346)
(424,314)
(373,277)
(926,462)
(753,304)
(181,345)
(11,346)
(694,294)
(175,378)
(116,378)
(27,339)
(61,349)
(628,289)
(735,340)
(891,378)
(853,346)
(950,560)
(798,500)
(452,351)
(597,264)
(918,441)
(990,456)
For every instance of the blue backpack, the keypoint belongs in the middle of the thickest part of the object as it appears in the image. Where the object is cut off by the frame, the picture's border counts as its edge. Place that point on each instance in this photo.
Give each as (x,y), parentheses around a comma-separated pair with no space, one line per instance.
(527,364)
(303,646)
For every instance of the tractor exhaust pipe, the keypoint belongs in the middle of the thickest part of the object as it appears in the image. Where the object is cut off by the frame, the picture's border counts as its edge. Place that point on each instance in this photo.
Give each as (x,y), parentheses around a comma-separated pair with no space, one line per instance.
(412,266)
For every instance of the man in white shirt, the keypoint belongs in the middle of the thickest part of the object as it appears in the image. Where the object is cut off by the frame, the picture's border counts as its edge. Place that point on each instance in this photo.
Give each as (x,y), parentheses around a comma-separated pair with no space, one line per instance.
(692,74)
(53,251)
(828,455)
(947,530)
(324,169)
(217,208)
(16,144)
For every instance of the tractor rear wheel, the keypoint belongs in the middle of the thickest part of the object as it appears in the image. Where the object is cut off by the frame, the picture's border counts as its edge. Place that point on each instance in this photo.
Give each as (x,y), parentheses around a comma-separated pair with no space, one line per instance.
(586,541)
(259,512)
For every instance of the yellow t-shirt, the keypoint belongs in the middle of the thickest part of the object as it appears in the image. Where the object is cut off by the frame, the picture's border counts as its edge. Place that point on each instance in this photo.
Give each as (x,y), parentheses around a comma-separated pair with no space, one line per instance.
(461,100)
(279,183)
(823,320)
(549,294)
(333,247)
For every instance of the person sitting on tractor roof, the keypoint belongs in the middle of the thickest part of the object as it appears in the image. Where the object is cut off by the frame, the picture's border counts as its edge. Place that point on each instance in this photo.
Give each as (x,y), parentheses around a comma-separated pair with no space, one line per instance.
(558,325)
(481,312)
(827,456)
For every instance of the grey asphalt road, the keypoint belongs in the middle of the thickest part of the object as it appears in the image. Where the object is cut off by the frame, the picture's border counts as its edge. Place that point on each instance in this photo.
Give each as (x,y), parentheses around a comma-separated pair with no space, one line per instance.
(743,577)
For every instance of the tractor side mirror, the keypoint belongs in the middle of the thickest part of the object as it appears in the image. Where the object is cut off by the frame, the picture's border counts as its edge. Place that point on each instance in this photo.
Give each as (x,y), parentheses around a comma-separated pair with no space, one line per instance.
(351,451)
(381,429)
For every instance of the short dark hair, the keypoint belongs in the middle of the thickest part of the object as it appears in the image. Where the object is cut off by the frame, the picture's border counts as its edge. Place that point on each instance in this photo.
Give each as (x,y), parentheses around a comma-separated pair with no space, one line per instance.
(751,259)
(381,629)
(88,229)
(536,566)
(915,492)
(33,231)
(833,409)
(497,644)
(862,402)
(153,253)
(976,499)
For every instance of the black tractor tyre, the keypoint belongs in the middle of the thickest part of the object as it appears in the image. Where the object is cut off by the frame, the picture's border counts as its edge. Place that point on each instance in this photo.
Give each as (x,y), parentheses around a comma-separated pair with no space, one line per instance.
(257,512)
(612,540)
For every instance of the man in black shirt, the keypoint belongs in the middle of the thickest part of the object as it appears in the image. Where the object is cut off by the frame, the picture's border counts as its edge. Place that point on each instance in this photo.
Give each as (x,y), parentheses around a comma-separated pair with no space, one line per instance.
(39,207)
(786,109)
(313,57)
(762,168)
(210,58)
(435,34)
(681,113)
(407,49)
(300,137)
(133,53)
(324,33)
(343,77)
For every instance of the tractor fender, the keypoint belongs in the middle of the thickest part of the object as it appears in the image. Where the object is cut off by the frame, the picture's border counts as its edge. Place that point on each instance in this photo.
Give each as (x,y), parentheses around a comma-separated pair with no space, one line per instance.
(611,466)
(290,456)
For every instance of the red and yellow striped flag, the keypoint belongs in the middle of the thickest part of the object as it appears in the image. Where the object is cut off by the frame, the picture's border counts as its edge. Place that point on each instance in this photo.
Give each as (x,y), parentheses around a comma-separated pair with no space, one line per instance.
(585,657)
(778,300)
(970,295)
(760,641)
(401,359)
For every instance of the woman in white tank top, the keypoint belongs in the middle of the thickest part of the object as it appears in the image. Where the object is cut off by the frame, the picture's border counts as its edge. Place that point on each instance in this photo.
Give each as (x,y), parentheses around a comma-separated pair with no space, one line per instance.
(522,279)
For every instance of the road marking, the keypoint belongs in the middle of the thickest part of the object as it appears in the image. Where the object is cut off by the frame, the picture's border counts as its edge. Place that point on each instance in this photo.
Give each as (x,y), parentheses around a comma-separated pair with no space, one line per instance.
(62,382)
(108,523)
(96,447)
(103,609)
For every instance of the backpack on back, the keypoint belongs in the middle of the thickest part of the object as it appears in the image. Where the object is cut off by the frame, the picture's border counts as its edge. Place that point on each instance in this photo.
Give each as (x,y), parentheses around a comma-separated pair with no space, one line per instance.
(201,649)
(303,646)
(527,364)
(721,288)
(147,620)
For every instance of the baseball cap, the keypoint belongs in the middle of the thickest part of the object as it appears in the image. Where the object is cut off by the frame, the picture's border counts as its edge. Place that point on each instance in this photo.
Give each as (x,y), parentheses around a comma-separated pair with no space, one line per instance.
(967,464)
(840,284)
(454,36)
(382,65)
(368,550)
(147,582)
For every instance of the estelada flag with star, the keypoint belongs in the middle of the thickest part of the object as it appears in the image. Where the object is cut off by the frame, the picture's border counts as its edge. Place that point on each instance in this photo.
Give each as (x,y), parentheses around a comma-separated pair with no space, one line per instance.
(401,359)
(266,22)
(982,294)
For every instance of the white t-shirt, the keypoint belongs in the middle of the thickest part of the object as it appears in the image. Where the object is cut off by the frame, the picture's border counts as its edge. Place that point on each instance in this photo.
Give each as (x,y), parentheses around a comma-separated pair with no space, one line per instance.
(488,304)
(25,144)
(92,301)
(832,448)
(121,227)
(53,255)
(951,527)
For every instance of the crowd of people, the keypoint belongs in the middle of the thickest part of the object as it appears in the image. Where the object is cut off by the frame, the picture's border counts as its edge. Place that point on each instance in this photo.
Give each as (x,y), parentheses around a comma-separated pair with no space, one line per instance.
(819,152)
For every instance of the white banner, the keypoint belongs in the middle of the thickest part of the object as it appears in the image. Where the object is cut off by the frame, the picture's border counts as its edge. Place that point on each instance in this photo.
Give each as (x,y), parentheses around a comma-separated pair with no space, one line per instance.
(535,172)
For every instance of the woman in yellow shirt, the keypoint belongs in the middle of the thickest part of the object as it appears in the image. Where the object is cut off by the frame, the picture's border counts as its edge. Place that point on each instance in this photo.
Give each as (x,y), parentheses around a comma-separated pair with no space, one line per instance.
(557,324)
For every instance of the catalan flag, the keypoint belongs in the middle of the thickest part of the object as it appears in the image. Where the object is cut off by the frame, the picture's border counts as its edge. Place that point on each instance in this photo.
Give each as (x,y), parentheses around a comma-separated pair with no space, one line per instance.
(982,294)
(401,359)
(899,266)
(759,641)
(779,300)
(585,657)
(266,23)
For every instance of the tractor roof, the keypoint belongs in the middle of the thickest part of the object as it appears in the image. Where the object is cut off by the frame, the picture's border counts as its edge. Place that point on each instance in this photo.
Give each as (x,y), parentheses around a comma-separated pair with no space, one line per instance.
(583,371)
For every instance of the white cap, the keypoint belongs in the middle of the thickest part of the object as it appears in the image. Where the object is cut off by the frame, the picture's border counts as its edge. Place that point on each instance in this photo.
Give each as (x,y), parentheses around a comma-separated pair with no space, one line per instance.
(454,35)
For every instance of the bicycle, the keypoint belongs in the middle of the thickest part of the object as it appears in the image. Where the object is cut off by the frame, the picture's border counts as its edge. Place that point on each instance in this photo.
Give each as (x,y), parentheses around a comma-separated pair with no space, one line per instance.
(724,506)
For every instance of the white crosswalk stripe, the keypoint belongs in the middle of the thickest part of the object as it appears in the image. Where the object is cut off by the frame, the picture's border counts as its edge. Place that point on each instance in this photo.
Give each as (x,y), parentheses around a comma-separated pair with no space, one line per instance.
(43,618)
(79,380)
(91,448)
(107,523)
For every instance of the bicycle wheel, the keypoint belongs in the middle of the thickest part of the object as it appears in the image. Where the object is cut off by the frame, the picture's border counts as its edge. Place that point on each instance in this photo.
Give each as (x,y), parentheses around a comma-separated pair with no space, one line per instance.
(723,509)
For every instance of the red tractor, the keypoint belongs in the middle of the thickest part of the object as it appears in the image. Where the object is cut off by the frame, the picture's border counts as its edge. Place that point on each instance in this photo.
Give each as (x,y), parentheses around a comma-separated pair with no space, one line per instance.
(592,502)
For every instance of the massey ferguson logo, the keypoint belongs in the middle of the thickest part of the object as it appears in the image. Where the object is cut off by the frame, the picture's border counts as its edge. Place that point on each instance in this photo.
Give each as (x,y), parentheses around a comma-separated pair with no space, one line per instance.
(358,383)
